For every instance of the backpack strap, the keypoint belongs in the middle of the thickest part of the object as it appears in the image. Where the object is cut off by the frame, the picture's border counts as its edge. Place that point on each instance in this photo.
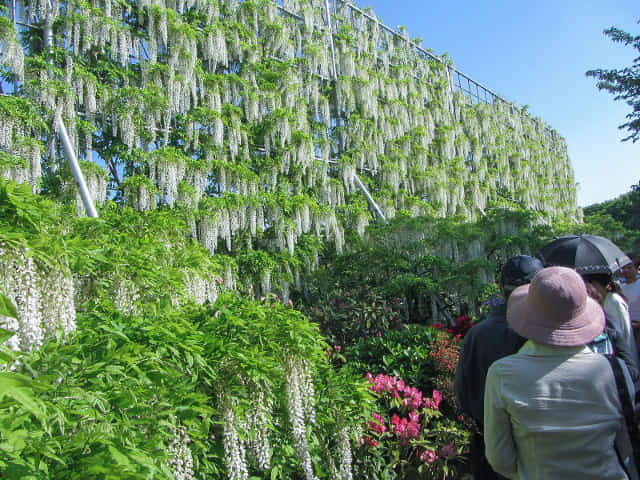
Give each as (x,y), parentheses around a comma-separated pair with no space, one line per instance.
(627,408)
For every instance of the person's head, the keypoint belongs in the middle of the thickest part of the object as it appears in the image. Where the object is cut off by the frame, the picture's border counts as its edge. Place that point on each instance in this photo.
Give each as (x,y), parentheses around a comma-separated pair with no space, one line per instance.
(517,271)
(630,270)
(598,285)
(555,309)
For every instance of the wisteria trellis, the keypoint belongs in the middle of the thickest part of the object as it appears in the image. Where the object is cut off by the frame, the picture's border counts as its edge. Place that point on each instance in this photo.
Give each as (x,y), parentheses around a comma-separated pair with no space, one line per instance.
(238,97)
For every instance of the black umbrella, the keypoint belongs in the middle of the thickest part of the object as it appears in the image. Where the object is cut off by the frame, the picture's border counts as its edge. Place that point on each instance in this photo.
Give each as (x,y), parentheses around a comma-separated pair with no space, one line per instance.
(587,254)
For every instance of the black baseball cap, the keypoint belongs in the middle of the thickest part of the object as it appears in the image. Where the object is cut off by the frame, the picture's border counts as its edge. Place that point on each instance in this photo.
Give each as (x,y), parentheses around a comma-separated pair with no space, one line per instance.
(519,270)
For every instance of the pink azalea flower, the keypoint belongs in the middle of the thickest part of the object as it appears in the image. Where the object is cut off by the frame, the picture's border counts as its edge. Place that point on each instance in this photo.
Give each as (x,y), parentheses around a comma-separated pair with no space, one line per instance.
(377,424)
(389,383)
(437,398)
(371,442)
(428,456)
(399,426)
(434,401)
(447,451)
(416,400)
(414,416)
(413,429)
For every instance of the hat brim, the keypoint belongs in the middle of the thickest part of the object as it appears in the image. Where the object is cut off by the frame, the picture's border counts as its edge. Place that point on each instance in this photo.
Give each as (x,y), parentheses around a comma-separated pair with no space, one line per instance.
(576,331)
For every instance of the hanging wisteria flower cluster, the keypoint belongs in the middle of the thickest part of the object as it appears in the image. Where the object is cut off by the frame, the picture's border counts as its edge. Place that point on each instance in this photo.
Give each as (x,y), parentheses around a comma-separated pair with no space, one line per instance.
(259,423)
(203,288)
(11,52)
(181,461)
(254,444)
(234,446)
(22,153)
(43,298)
(301,406)
(344,454)
(125,295)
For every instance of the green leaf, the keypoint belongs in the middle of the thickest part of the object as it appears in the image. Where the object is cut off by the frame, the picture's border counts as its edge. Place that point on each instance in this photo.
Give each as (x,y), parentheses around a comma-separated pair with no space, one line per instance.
(6,356)
(119,457)
(5,334)
(15,439)
(7,308)
(18,388)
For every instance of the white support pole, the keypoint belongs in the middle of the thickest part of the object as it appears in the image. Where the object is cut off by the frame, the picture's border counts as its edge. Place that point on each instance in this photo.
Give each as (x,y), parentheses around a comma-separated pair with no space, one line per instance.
(77,172)
(369,197)
(330,33)
(335,77)
(64,136)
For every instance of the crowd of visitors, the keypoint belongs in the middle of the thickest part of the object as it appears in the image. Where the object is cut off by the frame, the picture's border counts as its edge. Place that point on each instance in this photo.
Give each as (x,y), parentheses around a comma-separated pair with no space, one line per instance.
(537,375)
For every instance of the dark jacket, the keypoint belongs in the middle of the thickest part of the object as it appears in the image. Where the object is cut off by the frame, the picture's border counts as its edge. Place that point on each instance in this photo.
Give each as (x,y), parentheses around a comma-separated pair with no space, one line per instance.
(488,341)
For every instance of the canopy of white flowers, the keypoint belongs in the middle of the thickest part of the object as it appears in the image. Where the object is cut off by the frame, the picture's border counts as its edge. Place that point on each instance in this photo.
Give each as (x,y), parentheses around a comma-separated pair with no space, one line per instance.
(255,115)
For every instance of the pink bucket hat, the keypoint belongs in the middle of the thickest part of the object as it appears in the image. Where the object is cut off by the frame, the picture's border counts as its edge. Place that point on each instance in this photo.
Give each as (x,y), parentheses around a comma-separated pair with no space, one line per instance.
(555,309)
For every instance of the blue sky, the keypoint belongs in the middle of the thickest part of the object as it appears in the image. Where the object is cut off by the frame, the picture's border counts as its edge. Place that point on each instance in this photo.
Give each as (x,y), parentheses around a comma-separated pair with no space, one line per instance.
(536,54)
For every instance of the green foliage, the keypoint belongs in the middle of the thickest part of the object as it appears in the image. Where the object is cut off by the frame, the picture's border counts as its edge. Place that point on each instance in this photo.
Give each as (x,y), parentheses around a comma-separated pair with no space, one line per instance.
(403,265)
(23,111)
(623,84)
(107,402)
(617,219)
(350,315)
(8,160)
(24,213)
(7,308)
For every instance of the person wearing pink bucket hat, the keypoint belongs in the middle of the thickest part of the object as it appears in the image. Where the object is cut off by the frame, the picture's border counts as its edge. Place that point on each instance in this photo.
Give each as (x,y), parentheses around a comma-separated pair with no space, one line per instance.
(556,310)
(552,411)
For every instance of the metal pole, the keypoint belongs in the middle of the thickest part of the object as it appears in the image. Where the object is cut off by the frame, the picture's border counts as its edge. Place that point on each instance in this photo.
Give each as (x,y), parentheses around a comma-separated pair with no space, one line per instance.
(15,26)
(48,41)
(64,136)
(330,32)
(335,77)
(77,172)
(369,197)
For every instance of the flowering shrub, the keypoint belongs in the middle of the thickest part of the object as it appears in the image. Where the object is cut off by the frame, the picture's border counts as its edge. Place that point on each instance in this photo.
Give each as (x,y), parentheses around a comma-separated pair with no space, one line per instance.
(350,315)
(402,353)
(460,327)
(410,434)
(444,355)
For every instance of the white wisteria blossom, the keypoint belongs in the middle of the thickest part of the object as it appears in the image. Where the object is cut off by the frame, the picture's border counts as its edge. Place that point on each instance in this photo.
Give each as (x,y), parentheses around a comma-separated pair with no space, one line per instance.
(43,296)
(301,407)
(181,461)
(234,446)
